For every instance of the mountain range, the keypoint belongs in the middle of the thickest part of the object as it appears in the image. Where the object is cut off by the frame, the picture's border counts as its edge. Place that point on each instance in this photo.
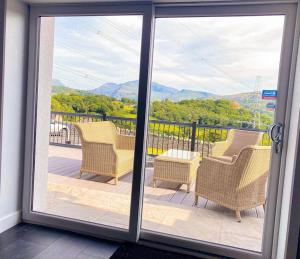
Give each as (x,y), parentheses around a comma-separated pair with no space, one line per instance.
(130,90)
(158,91)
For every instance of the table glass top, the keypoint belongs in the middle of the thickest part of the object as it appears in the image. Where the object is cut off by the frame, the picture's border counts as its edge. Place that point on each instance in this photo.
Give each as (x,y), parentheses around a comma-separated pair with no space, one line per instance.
(181,154)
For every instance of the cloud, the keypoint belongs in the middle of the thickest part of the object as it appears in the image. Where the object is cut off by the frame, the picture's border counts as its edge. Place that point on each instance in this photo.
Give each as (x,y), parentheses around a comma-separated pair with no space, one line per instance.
(222,55)
(235,48)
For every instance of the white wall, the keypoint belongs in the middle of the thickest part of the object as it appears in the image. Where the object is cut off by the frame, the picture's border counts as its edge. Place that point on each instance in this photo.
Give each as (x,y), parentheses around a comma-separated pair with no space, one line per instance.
(15,72)
(43,113)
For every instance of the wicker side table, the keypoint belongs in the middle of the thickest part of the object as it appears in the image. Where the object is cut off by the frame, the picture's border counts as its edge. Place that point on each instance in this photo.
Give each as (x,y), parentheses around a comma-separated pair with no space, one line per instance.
(176,166)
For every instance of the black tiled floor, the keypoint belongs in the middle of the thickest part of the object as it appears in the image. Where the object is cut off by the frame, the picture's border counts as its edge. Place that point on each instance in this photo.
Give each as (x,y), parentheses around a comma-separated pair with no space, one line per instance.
(21,249)
(29,241)
(35,242)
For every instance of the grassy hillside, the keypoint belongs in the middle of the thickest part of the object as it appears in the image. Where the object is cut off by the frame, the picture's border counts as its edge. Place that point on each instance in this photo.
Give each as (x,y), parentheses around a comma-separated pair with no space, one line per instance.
(249,101)
(161,92)
(92,104)
(208,112)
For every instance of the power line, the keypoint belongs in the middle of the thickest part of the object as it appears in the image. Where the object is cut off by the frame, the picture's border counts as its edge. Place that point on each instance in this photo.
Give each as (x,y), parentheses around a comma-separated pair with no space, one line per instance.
(123,31)
(225,73)
(77,51)
(122,45)
(213,65)
(129,48)
(111,39)
(129,35)
(257,103)
(80,74)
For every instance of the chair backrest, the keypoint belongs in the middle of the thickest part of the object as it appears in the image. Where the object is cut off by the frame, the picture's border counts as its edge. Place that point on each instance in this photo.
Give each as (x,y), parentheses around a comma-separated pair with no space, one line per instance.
(104,131)
(251,164)
(238,139)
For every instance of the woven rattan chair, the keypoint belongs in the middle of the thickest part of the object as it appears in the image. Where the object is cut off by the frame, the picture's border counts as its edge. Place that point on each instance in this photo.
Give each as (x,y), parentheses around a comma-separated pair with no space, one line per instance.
(104,151)
(236,140)
(237,185)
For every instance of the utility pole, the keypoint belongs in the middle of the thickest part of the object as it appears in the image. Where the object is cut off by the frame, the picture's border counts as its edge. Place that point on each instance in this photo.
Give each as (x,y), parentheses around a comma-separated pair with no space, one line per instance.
(257,101)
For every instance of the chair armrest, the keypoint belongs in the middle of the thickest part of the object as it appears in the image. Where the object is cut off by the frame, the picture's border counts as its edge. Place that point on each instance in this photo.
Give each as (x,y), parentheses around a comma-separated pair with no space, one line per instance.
(99,149)
(99,157)
(224,158)
(215,162)
(125,142)
(109,143)
(234,158)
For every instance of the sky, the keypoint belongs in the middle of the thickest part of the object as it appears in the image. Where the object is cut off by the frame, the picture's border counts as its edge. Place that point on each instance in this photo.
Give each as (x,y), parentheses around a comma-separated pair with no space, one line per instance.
(220,55)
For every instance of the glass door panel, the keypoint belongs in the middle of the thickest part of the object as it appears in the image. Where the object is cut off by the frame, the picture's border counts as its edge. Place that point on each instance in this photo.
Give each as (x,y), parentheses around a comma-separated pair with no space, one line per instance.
(86,117)
(213,97)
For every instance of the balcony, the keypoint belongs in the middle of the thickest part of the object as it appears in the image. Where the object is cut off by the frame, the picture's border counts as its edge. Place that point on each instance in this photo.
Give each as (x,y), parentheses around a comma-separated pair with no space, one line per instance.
(167,208)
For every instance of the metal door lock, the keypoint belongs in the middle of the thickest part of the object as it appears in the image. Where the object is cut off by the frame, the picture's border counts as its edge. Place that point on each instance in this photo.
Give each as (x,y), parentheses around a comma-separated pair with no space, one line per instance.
(276,135)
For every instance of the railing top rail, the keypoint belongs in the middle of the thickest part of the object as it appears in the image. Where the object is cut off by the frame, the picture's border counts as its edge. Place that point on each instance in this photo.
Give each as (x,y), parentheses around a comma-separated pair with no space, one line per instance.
(120,118)
(228,128)
(185,124)
(78,114)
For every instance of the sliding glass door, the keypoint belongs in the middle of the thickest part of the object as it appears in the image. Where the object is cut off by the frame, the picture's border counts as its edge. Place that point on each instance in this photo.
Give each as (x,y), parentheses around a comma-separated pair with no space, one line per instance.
(218,104)
(176,151)
(91,138)
(213,98)
(85,80)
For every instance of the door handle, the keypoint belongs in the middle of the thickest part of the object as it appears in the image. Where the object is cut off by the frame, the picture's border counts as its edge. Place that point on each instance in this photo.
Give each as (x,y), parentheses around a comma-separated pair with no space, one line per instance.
(276,135)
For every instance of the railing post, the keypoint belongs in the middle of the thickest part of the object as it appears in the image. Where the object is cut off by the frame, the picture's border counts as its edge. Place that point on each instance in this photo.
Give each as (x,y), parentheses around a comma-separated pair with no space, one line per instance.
(193,141)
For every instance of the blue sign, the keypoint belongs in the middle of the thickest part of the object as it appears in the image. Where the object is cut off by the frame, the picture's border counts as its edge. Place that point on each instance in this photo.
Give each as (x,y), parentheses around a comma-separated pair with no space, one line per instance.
(271,106)
(269,94)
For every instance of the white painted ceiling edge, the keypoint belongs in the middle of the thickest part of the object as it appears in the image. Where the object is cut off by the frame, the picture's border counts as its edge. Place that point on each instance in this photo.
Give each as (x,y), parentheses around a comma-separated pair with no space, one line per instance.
(155,1)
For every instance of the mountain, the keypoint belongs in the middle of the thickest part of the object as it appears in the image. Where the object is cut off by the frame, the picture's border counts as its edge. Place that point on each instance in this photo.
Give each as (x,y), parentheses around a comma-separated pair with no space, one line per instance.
(189,94)
(158,91)
(57,82)
(107,89)
(128,90)
(161,92)
(56,89)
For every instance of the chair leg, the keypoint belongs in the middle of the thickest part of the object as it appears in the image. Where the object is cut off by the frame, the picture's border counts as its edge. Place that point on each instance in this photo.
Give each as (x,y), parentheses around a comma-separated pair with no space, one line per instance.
(188,188)
(116,181)
(80,174)
(154,183)
(205,203)
(238,216)
(196,200)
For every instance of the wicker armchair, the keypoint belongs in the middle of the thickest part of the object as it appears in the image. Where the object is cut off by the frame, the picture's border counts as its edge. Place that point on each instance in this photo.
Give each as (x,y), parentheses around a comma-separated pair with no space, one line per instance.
(236,140)
(104,151)
(237,185)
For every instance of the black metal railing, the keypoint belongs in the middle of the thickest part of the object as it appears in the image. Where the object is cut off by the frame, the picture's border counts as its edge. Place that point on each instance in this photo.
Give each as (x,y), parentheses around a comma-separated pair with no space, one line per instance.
(162,135)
